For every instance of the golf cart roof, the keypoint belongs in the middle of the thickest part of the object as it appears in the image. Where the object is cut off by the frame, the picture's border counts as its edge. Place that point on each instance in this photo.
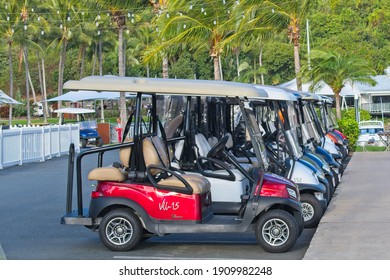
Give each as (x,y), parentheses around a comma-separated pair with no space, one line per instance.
(277,93)
(304,95)
(74,111)
(166,86)
(326,99)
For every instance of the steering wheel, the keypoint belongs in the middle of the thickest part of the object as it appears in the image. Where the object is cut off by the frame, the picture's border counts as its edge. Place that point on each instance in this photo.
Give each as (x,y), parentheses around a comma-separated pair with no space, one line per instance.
(218,148)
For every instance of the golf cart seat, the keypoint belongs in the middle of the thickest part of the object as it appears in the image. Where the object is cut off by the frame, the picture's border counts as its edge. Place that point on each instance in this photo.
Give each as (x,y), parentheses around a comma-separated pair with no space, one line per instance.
(246,162)
(163,176)
(173,126)
(113,173)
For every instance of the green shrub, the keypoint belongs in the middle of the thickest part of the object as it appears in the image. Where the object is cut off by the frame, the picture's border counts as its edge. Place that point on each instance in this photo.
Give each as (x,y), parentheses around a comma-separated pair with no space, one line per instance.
(349,127)
(350,114)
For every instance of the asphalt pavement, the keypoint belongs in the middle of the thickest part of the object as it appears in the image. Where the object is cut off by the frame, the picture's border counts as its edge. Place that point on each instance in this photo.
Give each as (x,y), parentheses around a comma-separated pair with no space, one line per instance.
(356,225)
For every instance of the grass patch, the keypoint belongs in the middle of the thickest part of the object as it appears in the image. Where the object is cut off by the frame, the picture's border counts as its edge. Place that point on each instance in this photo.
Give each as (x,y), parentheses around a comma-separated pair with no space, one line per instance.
(39,121)
(370,149)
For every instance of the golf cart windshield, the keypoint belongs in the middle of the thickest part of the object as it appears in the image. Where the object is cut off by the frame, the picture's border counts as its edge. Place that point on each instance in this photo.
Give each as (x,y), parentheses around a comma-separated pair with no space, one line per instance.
(256,136)
(330,117)
(309,128)
(88,124)
(292,129)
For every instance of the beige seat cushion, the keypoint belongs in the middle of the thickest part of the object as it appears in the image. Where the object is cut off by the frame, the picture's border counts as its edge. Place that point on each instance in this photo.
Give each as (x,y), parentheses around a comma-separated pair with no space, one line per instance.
(110,173)
(107,174)
(172,126)
(198,183)
(155,153)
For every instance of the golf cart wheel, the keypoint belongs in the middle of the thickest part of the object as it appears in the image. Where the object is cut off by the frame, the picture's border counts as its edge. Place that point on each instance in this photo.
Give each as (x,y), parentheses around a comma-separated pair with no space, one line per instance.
(99,142)
(120,230)
(336,176)
(312,210)
(277,231)
(83,143)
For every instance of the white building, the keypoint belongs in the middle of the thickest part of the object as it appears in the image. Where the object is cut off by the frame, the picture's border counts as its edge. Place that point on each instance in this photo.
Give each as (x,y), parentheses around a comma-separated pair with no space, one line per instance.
(375,99)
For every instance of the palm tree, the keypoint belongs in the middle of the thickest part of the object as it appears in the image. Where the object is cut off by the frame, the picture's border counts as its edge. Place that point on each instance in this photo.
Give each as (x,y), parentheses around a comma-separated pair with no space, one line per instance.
(209,25)
(336,69)
(250,73)
(24,17)
(119,11)
(7,29)
(145,38)
(284,15)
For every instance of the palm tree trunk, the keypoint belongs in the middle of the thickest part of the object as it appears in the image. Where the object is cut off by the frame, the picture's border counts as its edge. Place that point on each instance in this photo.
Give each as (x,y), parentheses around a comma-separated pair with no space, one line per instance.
(39,72)
(61,70)
(32,88)
(261,64)
(337,99)
(237,61)
(41,87)
(94,61)
(45,106)
(100,57)
(122,96)
(27,86)
(297,64)
(82,60)
(120,52)
(11,80)
(217,74)
(30,81)
(254,72)
(165,66)
(220,67)
(124,56)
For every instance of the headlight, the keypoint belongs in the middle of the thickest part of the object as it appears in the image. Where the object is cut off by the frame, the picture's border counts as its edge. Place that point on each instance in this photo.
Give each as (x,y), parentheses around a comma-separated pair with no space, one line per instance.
(292,193)
(319,195)
(326,167)
(320,175)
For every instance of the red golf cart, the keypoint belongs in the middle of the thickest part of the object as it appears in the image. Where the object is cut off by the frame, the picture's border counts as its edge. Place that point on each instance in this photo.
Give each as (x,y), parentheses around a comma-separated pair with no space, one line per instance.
(145,195)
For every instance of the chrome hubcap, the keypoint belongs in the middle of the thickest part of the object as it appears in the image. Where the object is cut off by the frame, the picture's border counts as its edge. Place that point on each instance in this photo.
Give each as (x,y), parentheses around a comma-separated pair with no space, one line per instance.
(307,211)
(119,231)
(275,232)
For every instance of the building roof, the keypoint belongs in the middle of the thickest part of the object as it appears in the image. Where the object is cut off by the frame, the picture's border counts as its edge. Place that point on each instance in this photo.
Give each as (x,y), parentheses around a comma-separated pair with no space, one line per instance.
(382,87)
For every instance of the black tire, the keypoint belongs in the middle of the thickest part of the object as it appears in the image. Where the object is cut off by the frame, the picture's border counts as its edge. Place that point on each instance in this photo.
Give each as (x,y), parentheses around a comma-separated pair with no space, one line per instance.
(312,210)
(331,188)
(83,143)
(343,151)
(99,142)
(327,193)
(120,230)
(336,176)
(277,231)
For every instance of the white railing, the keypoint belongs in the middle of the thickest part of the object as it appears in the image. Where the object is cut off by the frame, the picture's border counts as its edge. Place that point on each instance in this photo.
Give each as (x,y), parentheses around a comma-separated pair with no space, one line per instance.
(376,107)
(20,145)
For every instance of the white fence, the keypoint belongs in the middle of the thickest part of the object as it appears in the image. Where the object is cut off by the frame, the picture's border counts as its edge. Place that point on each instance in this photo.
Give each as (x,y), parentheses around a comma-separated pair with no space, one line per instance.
(20,145)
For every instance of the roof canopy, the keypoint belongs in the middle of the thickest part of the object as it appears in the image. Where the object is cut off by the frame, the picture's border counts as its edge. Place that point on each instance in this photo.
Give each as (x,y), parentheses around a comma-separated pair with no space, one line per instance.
(5,99)
(277,93)
(166,86)
(74,111)
(84,95)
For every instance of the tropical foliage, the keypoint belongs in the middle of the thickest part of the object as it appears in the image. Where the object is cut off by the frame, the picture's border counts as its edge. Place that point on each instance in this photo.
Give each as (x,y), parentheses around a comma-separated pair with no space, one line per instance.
(46,43)
(336,70)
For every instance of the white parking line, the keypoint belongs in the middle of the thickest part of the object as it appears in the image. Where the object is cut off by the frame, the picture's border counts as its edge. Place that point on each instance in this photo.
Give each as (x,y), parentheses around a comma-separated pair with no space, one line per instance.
(2,255)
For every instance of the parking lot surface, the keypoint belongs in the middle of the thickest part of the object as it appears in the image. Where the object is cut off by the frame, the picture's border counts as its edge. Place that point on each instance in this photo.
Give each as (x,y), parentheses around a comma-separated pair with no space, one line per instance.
(356,225)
